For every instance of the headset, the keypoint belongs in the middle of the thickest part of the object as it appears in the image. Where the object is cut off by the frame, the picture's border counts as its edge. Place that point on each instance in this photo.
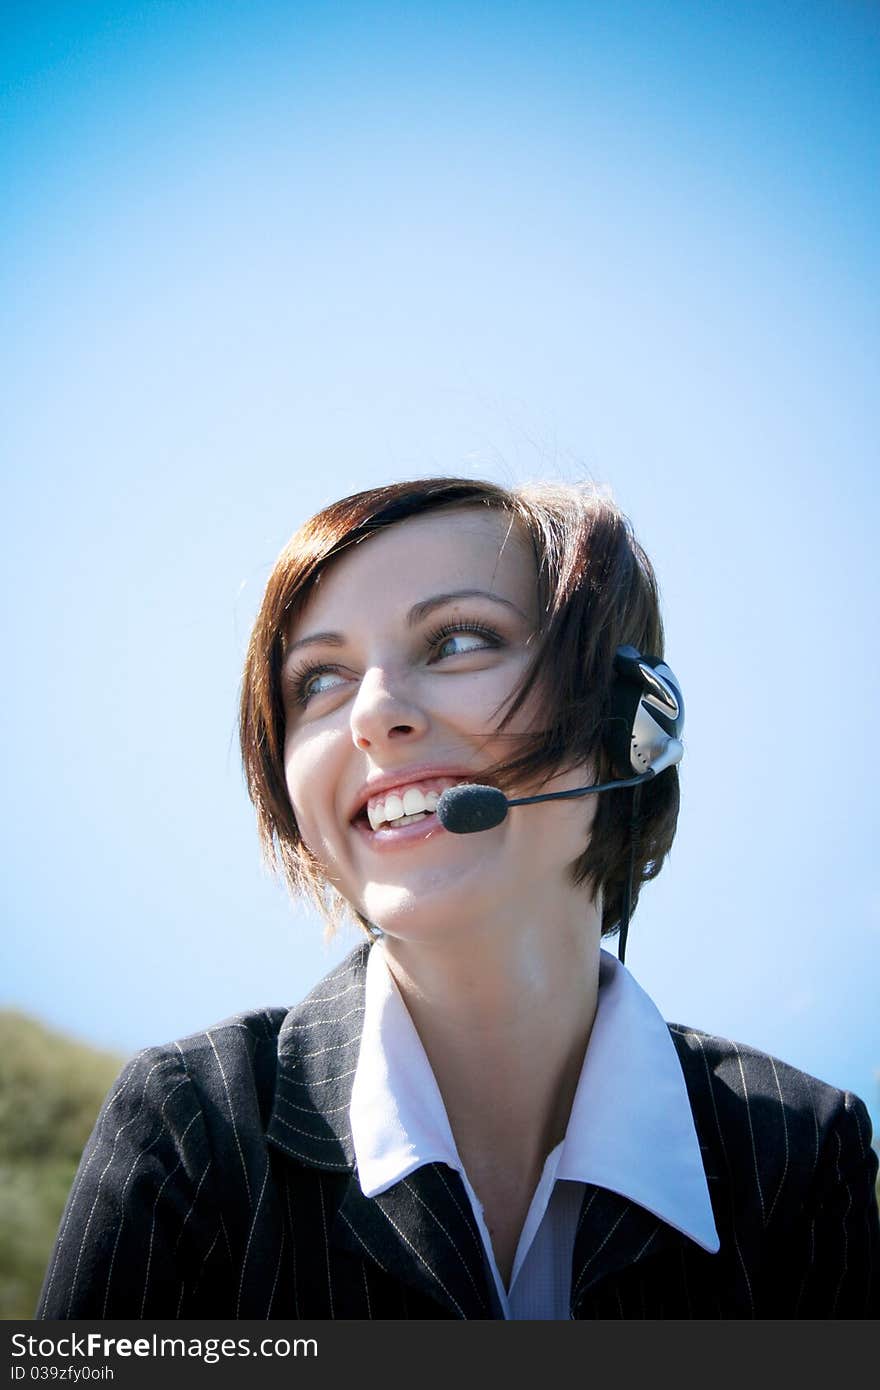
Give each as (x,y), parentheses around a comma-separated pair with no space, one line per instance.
(644,739)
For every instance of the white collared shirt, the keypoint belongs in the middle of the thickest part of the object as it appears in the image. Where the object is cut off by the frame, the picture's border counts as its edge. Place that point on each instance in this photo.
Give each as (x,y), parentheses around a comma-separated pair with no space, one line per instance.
(630,1130)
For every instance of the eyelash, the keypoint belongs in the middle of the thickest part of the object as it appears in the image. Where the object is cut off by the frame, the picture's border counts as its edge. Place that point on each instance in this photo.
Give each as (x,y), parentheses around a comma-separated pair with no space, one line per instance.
(435,638)
(301,675)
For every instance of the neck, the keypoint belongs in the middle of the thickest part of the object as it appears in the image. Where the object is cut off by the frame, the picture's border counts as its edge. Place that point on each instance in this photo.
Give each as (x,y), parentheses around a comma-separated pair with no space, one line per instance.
(504,1012)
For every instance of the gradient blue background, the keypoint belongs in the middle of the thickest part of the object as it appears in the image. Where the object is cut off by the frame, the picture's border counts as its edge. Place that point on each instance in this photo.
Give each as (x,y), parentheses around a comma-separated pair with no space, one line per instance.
(258,256)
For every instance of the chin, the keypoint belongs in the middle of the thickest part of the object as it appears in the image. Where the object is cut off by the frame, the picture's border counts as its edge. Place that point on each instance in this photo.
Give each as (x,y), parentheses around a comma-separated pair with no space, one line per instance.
(439,904)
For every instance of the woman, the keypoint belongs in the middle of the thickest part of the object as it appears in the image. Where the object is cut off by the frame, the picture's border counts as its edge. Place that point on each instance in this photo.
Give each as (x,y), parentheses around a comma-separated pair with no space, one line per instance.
(479,1114)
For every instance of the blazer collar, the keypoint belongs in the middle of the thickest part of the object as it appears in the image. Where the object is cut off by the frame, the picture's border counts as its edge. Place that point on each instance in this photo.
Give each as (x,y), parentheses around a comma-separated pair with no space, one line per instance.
(422,1228)
(318,1047)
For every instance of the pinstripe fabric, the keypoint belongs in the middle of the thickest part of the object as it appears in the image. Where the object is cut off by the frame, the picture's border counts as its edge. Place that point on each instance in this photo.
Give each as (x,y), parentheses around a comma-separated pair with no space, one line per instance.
(219,1182)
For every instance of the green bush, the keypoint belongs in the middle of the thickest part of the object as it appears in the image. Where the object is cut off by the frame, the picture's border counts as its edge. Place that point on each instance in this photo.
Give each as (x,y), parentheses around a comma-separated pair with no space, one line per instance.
(51,1089)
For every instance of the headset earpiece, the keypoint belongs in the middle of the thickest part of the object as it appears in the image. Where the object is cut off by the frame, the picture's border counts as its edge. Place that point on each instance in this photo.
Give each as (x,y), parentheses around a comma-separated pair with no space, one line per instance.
(647,719)
(647,714)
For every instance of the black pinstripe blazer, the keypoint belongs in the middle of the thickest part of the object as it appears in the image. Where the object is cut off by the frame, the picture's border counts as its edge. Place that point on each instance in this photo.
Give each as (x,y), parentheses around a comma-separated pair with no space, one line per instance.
(219,1182)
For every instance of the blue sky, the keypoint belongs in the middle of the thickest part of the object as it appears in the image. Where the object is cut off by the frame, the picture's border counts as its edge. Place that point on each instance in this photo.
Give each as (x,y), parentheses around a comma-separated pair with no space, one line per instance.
(256,257)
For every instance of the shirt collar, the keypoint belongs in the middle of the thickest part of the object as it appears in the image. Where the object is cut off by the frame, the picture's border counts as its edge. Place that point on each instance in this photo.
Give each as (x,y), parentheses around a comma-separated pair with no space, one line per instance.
(398,1119)
(631,1129)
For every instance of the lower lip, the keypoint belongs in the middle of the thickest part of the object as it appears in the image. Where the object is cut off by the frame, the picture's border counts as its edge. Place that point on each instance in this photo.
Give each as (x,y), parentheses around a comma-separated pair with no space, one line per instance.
(401,838)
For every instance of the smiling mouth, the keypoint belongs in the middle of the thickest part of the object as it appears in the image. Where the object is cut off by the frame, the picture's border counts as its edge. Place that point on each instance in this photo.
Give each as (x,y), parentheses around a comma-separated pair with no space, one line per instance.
(409,804)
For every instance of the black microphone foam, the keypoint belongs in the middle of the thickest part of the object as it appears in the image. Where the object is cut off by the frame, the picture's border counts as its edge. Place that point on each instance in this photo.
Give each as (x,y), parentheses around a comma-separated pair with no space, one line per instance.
(471,807)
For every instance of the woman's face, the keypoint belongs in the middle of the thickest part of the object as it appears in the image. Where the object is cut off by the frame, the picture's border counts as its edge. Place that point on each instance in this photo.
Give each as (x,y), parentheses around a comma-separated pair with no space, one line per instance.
(395,672)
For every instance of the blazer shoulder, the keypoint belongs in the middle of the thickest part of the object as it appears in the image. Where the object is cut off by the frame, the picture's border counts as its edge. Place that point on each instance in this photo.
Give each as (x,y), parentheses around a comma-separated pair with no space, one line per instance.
(238,1039)
(241,1034)
(252,1029)
(772,1113)
(709,1060)
(231,1068)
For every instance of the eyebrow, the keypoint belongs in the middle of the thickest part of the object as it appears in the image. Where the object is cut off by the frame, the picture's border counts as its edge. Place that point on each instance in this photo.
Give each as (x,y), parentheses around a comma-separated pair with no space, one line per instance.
(416,614)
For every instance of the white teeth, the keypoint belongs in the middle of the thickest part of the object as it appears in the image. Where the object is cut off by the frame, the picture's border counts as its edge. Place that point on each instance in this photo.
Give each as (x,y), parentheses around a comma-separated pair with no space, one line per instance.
(412,803)
(378,815)
(393,806)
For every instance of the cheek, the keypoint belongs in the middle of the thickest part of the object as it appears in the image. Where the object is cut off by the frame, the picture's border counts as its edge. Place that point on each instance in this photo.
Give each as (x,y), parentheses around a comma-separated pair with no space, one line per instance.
(308,775)
(532,715)
(312,829)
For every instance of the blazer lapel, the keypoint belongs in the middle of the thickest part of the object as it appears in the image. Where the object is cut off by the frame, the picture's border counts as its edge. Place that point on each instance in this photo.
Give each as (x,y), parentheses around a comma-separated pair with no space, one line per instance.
(613,1233)
(422,1229)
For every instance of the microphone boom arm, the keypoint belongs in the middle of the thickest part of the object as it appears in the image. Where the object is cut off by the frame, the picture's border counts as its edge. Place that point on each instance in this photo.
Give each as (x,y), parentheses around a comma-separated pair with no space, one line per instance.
(585,791)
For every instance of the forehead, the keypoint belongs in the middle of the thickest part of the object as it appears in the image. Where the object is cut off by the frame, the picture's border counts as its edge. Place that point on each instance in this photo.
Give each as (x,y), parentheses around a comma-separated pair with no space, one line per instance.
(438,552)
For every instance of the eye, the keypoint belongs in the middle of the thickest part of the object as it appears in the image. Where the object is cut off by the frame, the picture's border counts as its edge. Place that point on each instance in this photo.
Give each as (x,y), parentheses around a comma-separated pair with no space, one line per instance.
(314,680)
(455,639)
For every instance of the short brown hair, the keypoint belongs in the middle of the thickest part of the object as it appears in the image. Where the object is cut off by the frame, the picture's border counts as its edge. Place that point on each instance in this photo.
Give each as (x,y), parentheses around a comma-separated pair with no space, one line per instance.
(596,591)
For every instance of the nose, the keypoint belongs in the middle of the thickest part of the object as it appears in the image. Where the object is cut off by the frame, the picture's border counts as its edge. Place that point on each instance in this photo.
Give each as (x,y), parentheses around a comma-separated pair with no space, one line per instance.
(384,709)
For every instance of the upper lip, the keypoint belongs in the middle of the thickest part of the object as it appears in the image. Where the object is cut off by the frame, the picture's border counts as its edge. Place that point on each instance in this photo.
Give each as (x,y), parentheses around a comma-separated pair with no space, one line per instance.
(404,777)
